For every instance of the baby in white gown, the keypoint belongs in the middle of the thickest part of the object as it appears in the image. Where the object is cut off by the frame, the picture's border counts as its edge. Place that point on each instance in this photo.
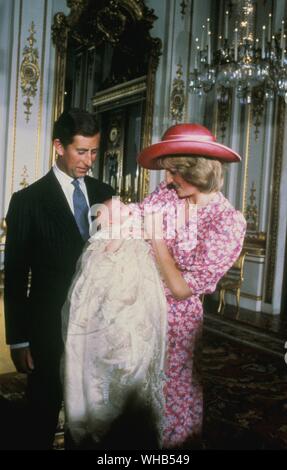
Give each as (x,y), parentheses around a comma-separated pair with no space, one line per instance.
(114,327)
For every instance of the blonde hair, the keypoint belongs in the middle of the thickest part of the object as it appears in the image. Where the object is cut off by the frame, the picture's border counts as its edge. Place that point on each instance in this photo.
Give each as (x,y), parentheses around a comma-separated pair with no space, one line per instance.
(206,174)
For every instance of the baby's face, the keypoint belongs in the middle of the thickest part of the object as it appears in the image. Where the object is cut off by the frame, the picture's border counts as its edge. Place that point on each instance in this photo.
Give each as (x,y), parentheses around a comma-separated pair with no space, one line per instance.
(116,213)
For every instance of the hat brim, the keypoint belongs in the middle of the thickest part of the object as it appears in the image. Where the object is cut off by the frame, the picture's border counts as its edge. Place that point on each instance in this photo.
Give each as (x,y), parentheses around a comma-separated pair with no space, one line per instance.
(148,156)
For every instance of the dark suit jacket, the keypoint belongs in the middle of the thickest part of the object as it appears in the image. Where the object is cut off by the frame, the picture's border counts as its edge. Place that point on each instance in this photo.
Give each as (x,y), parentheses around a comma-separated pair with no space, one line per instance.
(42,238)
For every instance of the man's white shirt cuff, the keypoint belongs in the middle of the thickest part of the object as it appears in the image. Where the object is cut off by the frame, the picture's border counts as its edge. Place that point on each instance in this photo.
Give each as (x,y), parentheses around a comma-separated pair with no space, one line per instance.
(19,345)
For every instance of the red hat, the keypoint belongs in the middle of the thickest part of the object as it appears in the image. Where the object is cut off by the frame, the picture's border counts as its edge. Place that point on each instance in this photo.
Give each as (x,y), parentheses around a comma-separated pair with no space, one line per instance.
(186,140)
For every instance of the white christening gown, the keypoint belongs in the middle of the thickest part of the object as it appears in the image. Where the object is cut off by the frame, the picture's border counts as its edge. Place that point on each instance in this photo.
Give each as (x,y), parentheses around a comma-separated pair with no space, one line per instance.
(114,328)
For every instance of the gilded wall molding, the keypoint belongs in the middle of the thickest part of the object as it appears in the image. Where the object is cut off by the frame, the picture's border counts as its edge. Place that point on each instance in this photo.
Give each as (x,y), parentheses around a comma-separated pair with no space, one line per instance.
(3,228)
(258,108)
(149,110)
(29,72)
(134,87)
(135,8)
(41,94)
(60,30)
(183,7)
(177,98)
(257,298)
(251,213)
(223,110)
(14,138)
(255,243)
(25,176)
(259,260)
(274,221)
(246,158)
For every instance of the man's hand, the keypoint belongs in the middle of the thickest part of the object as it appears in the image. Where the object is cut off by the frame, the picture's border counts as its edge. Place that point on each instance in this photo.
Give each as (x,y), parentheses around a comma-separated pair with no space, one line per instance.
(22,360)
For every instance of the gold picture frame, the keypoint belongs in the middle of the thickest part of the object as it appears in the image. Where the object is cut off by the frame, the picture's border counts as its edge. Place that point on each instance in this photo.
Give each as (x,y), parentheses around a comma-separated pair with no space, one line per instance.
(64,24)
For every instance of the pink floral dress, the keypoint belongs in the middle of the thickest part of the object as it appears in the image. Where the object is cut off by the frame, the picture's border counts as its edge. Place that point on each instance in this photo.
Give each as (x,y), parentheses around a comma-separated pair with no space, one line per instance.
(203,259)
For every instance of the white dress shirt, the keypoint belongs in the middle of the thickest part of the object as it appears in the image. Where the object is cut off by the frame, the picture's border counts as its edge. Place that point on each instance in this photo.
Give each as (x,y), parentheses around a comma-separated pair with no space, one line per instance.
(68,189)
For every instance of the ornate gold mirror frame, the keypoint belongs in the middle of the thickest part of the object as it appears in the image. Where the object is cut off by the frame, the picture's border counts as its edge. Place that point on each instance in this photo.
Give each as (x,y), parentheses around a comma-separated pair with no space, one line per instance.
(114,10)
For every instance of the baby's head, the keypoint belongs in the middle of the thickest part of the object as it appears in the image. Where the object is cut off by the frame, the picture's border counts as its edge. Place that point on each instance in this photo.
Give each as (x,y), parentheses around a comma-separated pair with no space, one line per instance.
(112,212)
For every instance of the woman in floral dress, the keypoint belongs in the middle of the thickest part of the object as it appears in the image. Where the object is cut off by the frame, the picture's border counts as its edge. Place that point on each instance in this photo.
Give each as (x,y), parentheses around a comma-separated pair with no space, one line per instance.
(192,257)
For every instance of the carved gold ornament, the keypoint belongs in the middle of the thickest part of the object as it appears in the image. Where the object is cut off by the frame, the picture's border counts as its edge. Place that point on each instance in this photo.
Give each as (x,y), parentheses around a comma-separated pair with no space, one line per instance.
(24,182)
(59,32)
(29,72)
(258,108)
(251,213)
(177,96)
(223,109)
(3,229)
(183,7)
(111,22)
(255,244)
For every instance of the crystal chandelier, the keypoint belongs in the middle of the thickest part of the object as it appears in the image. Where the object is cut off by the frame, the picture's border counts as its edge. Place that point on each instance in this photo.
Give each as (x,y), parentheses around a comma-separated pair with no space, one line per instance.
(241,61)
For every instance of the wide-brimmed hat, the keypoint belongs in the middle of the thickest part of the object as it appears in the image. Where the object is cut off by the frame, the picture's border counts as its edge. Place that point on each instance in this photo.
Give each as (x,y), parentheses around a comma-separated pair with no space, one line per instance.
(186,140)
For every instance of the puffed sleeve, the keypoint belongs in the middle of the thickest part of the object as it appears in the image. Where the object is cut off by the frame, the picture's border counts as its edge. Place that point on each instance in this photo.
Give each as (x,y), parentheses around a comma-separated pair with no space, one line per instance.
(217,253)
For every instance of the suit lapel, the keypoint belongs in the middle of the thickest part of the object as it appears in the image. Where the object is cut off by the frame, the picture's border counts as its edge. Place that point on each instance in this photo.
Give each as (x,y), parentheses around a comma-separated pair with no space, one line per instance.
(57,206)
(90,185)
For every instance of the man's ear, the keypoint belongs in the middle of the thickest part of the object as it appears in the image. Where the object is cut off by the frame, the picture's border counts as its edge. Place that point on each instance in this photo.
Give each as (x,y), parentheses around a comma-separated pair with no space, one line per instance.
(58,147)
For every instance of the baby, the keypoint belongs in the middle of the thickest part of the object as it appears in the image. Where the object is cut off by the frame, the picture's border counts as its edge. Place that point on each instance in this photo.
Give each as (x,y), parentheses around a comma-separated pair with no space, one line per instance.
(114,327)
(114,222)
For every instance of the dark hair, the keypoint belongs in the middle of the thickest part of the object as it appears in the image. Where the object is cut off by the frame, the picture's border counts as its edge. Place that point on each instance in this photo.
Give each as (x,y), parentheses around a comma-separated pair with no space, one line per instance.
(75,122)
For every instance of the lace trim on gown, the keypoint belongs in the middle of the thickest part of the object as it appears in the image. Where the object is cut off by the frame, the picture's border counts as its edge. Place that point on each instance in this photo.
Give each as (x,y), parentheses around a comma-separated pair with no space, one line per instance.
(114,327)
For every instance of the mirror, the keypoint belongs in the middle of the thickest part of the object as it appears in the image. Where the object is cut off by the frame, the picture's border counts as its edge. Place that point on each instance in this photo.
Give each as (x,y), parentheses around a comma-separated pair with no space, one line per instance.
(106,62)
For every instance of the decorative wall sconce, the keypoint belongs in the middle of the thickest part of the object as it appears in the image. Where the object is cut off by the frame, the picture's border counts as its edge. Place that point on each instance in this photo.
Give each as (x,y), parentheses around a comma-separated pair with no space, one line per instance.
(241,61)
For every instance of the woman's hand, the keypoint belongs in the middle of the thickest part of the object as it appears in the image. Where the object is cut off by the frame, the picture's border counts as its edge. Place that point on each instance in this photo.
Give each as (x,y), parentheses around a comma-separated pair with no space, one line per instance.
(170,272)
(153,226)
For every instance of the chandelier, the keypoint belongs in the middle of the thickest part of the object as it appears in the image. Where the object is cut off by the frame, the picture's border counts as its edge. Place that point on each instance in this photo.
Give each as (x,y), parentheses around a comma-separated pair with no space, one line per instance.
(242,61)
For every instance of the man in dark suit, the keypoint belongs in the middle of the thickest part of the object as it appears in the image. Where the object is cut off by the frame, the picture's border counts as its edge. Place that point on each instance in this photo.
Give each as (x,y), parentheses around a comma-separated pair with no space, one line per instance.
(47,227)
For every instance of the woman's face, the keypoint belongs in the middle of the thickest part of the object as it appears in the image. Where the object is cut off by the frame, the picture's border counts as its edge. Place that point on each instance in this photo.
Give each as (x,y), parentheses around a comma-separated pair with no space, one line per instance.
(181,186)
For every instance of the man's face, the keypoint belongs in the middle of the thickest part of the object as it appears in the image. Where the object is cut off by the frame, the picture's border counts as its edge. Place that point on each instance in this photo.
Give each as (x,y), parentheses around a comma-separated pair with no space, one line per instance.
(78,157)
